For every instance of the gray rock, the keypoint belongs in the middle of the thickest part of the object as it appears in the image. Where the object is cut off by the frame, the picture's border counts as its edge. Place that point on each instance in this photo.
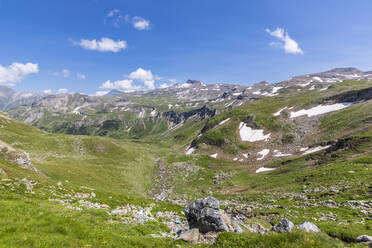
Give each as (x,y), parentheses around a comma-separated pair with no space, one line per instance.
(191,235)
(2,172)
(205,215)
(363,238)
(308,226)
(284,225)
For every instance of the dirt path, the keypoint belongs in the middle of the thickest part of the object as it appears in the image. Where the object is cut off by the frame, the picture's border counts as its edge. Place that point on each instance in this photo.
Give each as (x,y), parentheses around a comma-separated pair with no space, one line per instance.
(163,180)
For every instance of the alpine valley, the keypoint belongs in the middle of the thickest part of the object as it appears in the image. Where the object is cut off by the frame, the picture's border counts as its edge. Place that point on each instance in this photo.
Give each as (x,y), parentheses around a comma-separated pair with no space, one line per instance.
(285,164)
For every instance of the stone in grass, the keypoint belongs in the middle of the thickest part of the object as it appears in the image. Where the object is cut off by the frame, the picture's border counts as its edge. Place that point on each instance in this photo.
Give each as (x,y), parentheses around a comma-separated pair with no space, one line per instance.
(191,235)
(205,215)
(363,238)
(284,225)
(308,226)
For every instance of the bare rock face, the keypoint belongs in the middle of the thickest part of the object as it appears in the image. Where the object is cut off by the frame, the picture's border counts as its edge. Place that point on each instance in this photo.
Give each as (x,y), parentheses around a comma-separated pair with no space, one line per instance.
(363,238)
(205,214)
(284,225)
(308,226)
(191,235)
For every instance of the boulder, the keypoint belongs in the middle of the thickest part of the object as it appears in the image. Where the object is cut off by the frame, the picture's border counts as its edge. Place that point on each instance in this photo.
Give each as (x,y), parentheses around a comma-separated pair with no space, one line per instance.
(284,225)
(363,238)
(191,235)
(308,226)
(205,214)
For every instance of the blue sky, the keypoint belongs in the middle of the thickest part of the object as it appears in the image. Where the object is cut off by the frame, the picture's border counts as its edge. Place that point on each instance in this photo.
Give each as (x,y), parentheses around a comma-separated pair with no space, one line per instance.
(212,41)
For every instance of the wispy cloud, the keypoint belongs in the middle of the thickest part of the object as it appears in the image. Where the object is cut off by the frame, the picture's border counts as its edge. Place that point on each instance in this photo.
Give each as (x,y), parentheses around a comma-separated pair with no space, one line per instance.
(286,42)
(140,23)
(64,73)
(62,91)
(103,45)
(16,72)
(111,13)
(80,76)
(164,85)
(115,18)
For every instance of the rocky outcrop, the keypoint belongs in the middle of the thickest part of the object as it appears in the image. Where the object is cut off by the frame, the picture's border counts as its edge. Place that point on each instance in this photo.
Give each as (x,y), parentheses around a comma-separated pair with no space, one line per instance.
(363,238)
(284,225)
(176,117)
(352,96)
(308,227)
(191,235)
(205,214)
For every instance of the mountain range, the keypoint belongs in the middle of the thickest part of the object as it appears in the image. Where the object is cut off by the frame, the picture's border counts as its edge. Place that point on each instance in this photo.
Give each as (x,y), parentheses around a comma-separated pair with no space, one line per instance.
(120,169)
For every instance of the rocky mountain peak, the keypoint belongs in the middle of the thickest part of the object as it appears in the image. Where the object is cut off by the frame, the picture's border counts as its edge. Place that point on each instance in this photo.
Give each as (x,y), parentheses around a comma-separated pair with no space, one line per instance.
(193,82)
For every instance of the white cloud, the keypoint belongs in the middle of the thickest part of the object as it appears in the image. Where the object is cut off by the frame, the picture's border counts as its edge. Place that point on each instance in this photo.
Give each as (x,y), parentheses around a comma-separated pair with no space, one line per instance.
(103,45)
(144,76)
(48,91)
(163,85)
(140,23)
(111,13)
(16,72)
(62,91)
(287,43)
(125,85)
(64,73)
(101,93)
(80,76)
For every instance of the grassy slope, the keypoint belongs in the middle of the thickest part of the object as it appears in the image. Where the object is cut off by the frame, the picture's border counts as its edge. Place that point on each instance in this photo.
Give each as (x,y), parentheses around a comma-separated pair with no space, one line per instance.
(121,172)
(118,172)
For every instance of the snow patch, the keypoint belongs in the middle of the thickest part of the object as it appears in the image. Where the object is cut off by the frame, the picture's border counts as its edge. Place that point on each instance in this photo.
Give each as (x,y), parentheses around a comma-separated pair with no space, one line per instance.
(245,155)
(280,154)
(302,149)
(252,135)
(263,153)
(214,155)
(263,169)
(280,110)
(320,109)
(318,79)
(184,85)
(275,89)
(315,149)
(76,110)
(190,151)
(305,84)
(224,121)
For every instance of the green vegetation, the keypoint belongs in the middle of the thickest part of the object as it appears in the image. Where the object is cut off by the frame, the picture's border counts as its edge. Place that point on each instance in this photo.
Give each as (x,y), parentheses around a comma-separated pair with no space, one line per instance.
(121,167)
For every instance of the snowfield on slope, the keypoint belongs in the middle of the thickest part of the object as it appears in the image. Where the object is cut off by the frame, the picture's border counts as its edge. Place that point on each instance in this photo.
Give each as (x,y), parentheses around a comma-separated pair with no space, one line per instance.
(279,111)
(214,155)
(252,135)
(190,151)
(224,121)
(263,169)
(263,153)
(280,154)
(320,109)
(315,149)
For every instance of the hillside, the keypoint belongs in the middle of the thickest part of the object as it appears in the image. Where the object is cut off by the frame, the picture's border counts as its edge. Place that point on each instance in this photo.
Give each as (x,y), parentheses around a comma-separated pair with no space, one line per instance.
(118,170)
